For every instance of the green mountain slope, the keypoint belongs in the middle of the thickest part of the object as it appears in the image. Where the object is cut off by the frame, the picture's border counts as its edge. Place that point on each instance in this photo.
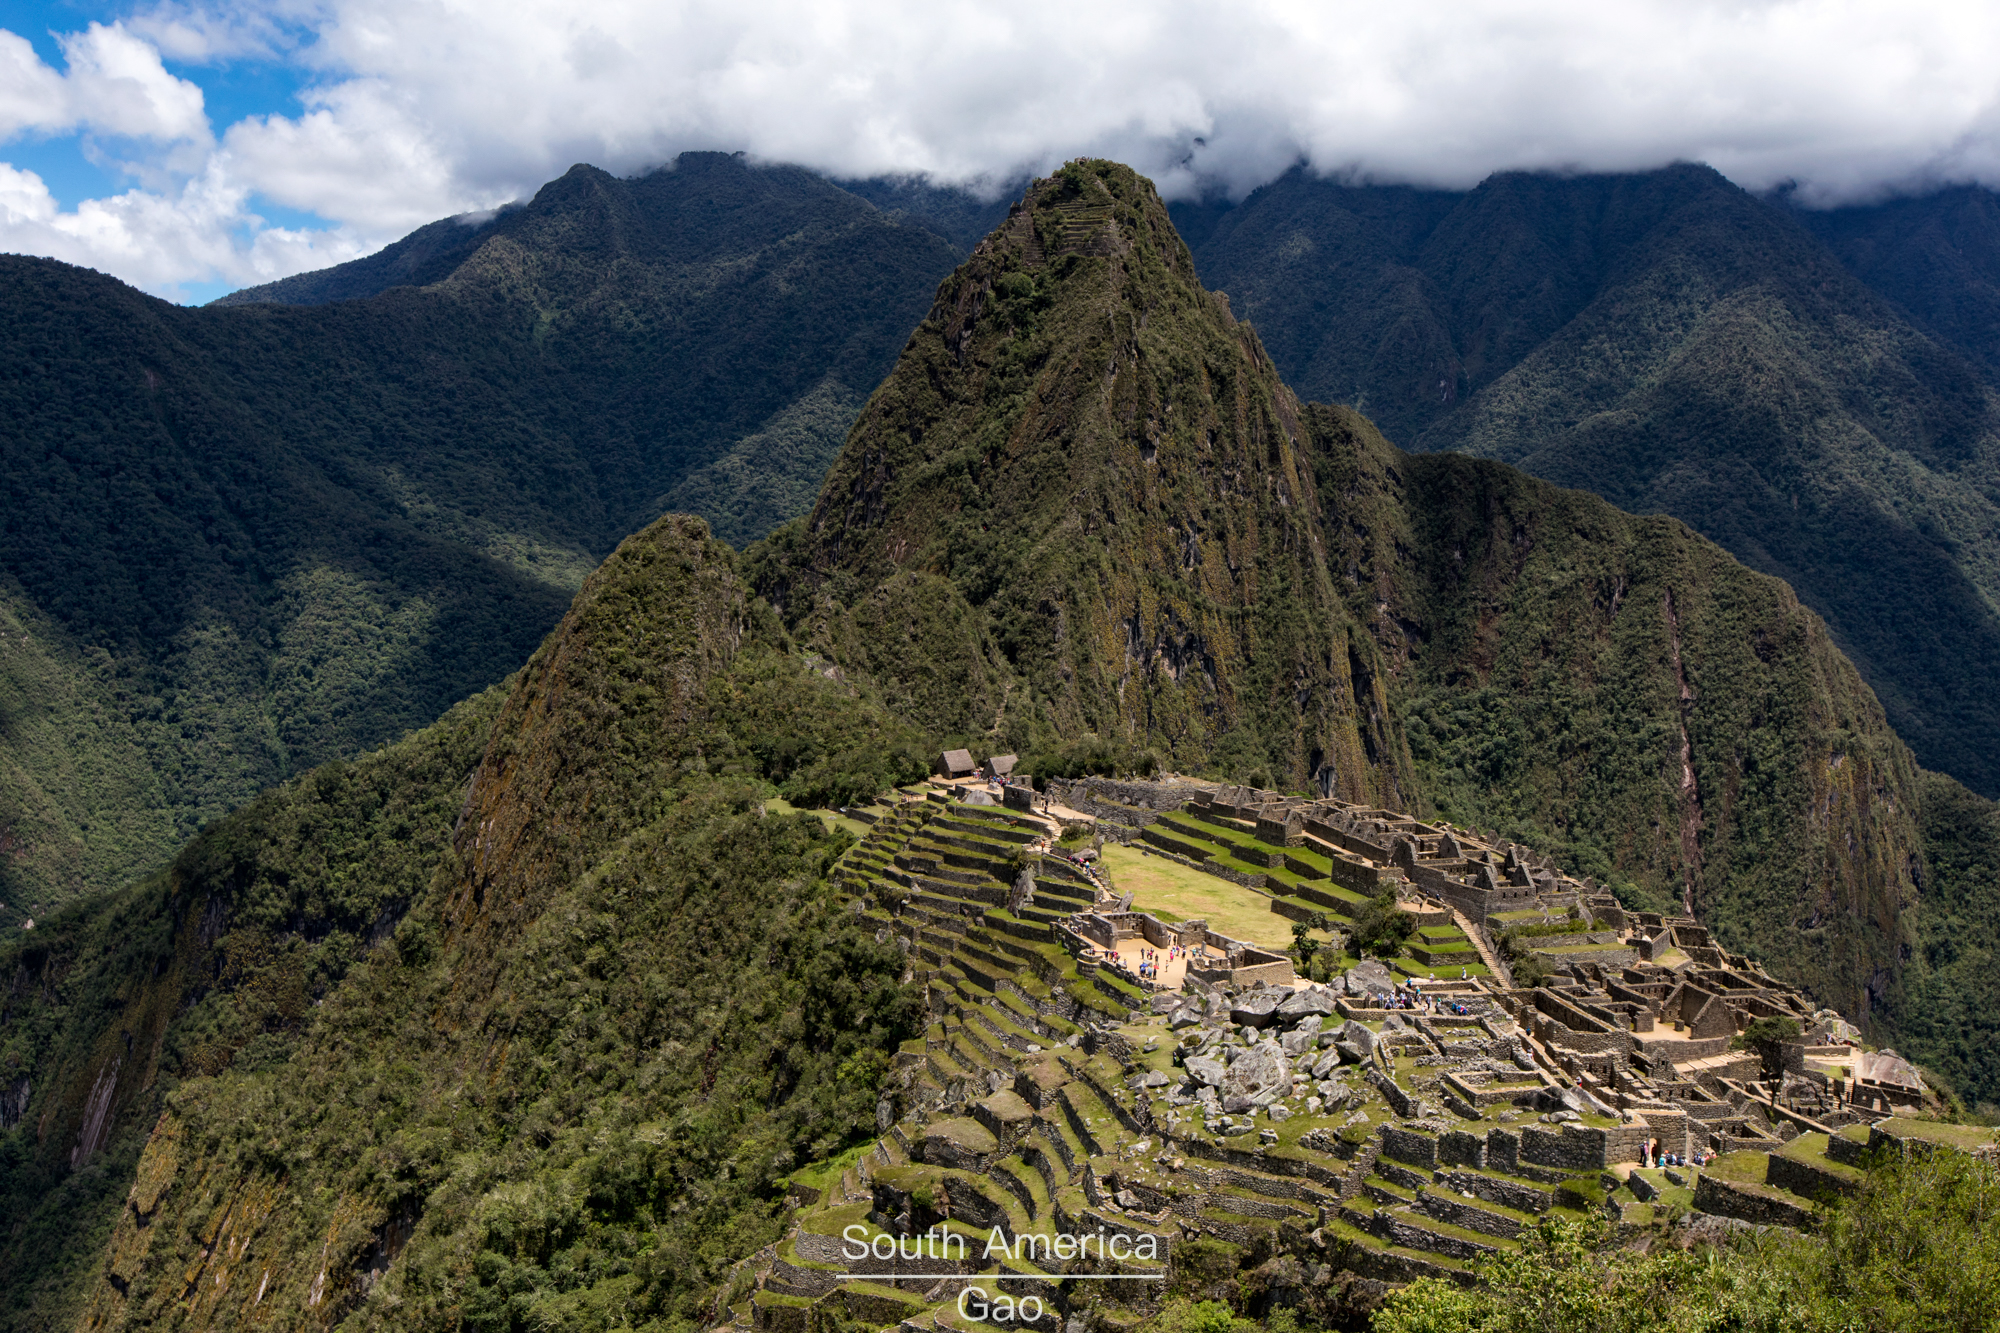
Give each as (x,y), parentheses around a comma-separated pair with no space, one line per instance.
(522,1021)
(530,1008)
(1674,345)
(241,541)
(1085,503)
(1937,256)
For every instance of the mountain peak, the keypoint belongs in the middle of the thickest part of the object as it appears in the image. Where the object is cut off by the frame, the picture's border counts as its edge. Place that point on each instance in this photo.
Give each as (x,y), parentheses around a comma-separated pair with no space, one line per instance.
(1082,477)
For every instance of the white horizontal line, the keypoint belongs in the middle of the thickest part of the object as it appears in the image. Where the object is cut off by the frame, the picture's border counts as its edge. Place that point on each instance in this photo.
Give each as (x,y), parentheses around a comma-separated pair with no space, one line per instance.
(1026,1277)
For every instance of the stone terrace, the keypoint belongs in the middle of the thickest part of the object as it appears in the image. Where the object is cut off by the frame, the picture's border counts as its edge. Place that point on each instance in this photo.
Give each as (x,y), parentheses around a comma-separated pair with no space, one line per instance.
(1345,1125)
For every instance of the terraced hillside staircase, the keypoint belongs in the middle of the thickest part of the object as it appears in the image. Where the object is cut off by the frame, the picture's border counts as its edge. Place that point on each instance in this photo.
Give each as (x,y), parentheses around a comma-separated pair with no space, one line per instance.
(1086,228)
(1033,1104)
(1048,1097)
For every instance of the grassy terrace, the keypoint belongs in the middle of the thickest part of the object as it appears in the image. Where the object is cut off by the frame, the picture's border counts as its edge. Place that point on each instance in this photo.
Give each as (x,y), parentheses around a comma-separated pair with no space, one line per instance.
(832,819)
(1174,892)
(1966,1138)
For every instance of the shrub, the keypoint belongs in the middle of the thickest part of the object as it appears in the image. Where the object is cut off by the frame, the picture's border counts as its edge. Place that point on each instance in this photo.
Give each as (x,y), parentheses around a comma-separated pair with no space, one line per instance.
(1382,928)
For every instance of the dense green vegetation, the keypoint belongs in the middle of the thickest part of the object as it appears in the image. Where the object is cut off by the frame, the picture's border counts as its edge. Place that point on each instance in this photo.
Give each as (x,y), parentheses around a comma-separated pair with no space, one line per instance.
(1678,346)
(1380,930)
(244,540)
(1937,256)
(217,963)
(337,1040)
(525,1020)
(1915,1251)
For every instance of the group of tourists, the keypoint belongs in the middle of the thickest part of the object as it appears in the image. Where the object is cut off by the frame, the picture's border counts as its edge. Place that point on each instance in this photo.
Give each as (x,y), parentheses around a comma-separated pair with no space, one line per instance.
(1150,960)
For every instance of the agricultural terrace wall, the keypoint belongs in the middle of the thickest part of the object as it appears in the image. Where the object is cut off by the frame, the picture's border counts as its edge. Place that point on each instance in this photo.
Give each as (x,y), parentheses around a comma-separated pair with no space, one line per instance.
(1583,1147)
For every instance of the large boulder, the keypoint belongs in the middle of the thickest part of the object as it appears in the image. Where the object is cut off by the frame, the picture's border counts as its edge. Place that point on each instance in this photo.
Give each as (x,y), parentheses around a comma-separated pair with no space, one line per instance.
(1300,1039)
(1263,1068)
(1210,1073)
(1370,977)
(1359,1035)
(1258,1009)
(1305,1004)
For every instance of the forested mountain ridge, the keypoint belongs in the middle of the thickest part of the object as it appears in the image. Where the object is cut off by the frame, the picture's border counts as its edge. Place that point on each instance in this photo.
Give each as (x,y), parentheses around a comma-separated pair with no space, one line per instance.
(240,541)
(433,1048)
(1084,502)
(524,1020)
(1677,345)
(1935,255)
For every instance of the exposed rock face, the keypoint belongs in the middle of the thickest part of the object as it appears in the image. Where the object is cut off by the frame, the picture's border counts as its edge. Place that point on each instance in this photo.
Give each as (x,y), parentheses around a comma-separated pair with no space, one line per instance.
(1305,1003)
(1358,1036)
(1370,977)
(1210,1073)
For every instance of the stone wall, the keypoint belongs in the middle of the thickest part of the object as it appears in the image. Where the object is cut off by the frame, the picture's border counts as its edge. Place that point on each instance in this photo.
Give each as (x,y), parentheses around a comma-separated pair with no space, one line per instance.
(1457,1212)
(1550,1032)
(1458,1148)
(1407,1145)
(1747,1203)
(1122,808)
(1516,1194)
(1804,1179)
(1246,879)
(1582,1147)
(1259,965)
(1665,1048)
(1669,1127)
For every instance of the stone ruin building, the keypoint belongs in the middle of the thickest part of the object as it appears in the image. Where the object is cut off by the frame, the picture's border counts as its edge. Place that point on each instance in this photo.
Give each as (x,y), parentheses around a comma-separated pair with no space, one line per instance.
(1403,1118)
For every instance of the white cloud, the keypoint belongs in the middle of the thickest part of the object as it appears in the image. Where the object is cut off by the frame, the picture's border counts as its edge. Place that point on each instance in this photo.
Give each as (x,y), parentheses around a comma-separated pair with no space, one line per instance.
(199,34)
(161,241)
(421,108)
(1843,96)
(115,84)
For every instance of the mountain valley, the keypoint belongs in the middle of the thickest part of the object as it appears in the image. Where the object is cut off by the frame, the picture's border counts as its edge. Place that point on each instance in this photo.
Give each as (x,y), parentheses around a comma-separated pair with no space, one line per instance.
(244,540)
(562,1009)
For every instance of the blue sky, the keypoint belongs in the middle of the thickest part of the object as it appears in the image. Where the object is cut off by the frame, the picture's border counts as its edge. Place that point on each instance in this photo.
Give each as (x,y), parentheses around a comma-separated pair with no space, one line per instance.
(231,90)
(194,146)
(80,163)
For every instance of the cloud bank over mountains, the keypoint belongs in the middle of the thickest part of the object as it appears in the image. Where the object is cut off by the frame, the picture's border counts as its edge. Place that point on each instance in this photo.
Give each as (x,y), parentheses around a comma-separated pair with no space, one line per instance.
(403,111)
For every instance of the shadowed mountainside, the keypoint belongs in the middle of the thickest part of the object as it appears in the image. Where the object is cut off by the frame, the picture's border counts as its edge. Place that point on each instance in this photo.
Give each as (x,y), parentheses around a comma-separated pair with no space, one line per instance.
(240,541)
(1678,346)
